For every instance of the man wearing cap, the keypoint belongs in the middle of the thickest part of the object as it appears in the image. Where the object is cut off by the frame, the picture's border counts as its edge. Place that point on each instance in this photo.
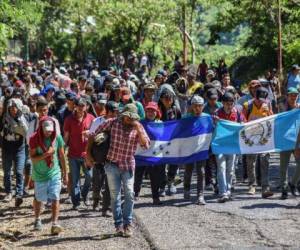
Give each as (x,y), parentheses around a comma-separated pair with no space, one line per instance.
(149,92)
(289,104)
(197,103)
(226,162)
(212,104)
(256,108)
(125,135)
(76,130)
(99,177)
(46,147)
(252,87)
(127,98)
(100,104)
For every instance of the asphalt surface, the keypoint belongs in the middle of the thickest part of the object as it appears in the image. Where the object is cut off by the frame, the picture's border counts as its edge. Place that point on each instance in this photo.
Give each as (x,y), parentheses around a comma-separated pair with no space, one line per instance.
(247,222)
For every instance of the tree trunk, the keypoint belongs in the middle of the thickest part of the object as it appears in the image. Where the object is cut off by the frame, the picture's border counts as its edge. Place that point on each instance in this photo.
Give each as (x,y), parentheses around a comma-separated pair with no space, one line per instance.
(279,51)
(185,53)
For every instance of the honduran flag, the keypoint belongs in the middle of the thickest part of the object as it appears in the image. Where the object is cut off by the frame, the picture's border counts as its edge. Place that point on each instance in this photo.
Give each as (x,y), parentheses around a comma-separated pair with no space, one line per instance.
(275,133)
(176,142)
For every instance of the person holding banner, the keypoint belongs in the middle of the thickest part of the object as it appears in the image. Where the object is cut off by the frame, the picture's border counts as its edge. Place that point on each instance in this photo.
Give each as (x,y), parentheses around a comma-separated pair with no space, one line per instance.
(256,108)
(289,104)
(197,103)
(225,162)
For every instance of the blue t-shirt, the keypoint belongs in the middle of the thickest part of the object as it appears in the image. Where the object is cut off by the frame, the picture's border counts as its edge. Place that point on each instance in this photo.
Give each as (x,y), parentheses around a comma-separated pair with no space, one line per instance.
(293,80)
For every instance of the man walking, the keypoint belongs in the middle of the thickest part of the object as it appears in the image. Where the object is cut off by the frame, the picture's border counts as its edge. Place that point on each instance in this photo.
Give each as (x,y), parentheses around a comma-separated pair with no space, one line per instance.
(126,133)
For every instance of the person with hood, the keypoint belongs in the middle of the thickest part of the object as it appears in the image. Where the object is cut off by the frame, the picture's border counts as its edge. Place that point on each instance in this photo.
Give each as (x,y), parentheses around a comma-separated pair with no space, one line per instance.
(46,147)
(169,111)
(14,130)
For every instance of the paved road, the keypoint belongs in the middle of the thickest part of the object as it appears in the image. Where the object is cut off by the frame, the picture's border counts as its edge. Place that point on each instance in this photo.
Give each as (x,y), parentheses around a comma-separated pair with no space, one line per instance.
(247,222)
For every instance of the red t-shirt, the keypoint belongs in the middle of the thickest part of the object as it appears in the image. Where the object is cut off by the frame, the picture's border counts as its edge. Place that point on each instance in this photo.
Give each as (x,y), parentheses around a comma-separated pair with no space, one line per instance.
(77,141)
(234,116)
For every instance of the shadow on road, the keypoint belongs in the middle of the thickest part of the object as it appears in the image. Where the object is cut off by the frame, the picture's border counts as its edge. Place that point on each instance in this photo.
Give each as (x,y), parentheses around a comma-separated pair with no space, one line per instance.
(58,240)
(269,205)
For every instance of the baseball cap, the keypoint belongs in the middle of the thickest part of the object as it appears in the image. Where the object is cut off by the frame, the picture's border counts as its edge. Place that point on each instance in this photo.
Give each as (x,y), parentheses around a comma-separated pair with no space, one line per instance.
(81,102)
(196,99)
(212,93)
(150,86)
(152,105)
(261,93)
(112,106)
(102,98)
(292,90)
(210,72)
(71,96)
(48,126)
(228,97)
(295,67)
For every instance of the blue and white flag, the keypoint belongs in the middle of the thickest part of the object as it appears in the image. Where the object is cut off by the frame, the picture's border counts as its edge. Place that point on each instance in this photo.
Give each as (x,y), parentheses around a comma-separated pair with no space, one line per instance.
(270,134)
(176,142)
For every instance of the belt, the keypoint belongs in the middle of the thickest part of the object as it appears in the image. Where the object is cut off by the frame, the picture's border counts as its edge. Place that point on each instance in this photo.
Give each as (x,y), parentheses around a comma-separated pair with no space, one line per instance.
(111,162)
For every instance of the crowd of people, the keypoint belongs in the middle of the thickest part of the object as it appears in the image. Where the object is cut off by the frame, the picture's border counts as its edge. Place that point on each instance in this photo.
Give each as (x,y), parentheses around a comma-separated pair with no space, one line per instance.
(52,115)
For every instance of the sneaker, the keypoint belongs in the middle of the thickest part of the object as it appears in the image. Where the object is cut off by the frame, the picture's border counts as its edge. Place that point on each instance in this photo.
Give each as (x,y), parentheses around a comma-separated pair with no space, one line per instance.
(18,201)
(48,205)
(38,225)
(75,207)
(119,231)
(284,195)
(162,193)
(95,204)
(86,202)
(157,202)
(251,190)
(128,232)
(106,213)
(267,193)
(187,195)
(172,189)
(223,199)
(68,200)
(293,189)
(201,200)
(209,187)
(26,192)
(7,198)
(56,229)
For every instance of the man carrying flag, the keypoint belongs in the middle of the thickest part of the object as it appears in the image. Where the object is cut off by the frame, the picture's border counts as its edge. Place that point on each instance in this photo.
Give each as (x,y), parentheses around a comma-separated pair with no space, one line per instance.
(254,109)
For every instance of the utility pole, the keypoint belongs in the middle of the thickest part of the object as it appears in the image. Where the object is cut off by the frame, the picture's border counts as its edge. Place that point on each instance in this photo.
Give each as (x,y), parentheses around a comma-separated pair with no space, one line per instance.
(279,50)
(185,53)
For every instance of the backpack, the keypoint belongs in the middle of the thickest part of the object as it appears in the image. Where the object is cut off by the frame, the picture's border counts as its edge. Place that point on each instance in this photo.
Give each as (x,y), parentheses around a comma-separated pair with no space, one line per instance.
(250,107)
(100,147)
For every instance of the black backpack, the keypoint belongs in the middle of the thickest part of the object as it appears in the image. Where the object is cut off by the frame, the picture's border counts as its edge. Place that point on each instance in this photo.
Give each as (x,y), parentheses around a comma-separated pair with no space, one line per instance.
(100,147)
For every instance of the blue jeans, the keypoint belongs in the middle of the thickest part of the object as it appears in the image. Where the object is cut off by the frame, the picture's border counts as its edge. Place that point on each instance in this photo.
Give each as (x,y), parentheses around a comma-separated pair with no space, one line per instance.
(225,170)
(116,178)
(75,166)
(8,158)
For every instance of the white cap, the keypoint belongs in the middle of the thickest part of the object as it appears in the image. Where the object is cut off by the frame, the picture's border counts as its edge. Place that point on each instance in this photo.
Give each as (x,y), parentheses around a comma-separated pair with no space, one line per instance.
(197,100)
(48,126)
